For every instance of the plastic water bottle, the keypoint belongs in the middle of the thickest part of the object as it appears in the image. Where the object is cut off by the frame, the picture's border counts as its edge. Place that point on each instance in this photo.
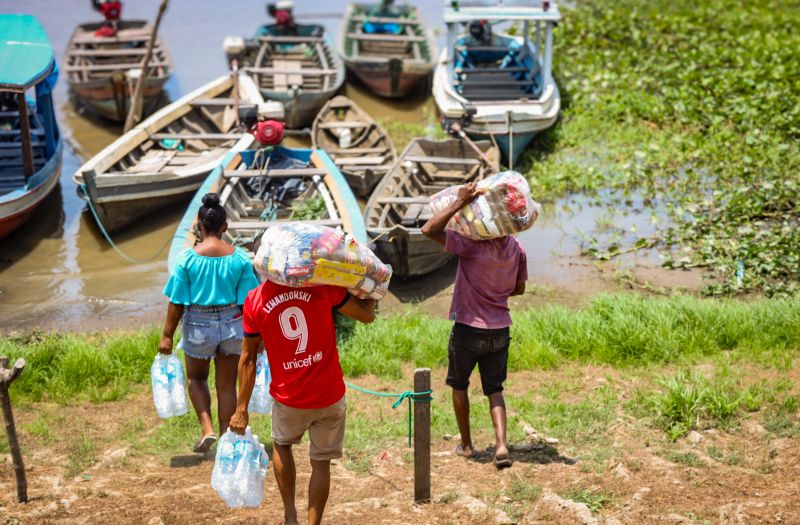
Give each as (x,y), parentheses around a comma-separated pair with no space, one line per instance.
(260,400)
(177,386)
(345,138)
(239,469)
(161,388)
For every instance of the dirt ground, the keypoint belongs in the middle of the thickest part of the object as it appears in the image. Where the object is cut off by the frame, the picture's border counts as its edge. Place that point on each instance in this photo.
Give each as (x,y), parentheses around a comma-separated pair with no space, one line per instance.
(628,475)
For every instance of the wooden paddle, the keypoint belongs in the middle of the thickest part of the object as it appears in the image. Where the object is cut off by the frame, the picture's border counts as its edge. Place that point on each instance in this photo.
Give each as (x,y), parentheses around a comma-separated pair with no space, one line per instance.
(456,128)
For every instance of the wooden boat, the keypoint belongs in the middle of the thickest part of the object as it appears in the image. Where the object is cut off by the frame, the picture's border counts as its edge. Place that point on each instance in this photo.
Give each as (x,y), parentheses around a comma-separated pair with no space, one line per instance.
(30,141)
(499,86)
(101,70)
(261,187)
(300,69)
(399,205)
(357,144)
(167,156)
(389,49)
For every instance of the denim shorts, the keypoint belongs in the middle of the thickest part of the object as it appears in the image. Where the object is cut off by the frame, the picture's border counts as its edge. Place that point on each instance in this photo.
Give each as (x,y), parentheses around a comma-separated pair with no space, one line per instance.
(206,331)
(478,346)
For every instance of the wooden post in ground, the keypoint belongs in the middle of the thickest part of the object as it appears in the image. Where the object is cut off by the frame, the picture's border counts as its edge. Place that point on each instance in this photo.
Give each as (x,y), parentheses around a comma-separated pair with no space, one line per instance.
(7,376)
(422,439)
(135,111)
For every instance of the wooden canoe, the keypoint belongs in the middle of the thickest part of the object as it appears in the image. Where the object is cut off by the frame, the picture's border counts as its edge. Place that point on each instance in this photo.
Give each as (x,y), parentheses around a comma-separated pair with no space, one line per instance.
(390,51)
(167,156)
(30,141)
(356,143)
(98,69)
(255,197)
(299,70)
(399,205)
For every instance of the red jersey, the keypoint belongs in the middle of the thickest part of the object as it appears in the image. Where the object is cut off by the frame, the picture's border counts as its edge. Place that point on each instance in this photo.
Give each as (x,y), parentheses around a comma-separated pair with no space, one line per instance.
(296,325)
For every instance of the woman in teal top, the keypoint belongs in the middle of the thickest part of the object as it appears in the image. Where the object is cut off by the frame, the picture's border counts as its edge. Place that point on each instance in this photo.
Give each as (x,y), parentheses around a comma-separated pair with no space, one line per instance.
(208,287)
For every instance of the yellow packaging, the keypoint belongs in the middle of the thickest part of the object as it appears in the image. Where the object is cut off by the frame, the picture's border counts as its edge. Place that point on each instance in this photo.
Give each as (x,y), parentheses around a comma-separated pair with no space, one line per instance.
(348,275)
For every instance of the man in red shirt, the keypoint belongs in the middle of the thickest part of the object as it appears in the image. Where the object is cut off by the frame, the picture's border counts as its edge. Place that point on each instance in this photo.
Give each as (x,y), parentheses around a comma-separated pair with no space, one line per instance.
(296,325)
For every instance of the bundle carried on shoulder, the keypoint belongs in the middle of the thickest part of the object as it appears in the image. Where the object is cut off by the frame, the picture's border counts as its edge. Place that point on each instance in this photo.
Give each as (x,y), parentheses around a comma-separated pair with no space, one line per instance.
(299,255)
(505,207)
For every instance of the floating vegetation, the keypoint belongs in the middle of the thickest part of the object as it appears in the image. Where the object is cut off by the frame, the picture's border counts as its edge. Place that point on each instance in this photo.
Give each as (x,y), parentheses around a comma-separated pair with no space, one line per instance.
(695,108)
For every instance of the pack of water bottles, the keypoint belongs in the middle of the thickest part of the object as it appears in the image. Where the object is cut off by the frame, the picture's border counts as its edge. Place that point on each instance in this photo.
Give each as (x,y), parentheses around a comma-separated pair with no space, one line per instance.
(239,469)
(260,400)
(298,255)
(169,391)
(505,207)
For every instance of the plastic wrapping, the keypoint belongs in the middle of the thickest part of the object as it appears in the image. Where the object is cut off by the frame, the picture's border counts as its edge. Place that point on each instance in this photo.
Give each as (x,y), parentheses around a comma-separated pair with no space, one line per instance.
(504,208)
(298,255)
(260,400)
(239,469)
(169,391)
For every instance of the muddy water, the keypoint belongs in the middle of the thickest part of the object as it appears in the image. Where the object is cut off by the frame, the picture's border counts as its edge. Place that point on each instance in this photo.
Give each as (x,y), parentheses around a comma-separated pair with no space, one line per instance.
(58,272)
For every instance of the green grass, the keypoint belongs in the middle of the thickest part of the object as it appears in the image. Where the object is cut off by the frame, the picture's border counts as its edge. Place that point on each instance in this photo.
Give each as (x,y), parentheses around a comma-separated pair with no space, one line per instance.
(594,500)
(81,455)
(685,458)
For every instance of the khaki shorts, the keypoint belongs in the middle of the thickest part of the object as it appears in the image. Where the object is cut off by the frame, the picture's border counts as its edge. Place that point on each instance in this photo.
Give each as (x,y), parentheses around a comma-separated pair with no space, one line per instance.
(325,428)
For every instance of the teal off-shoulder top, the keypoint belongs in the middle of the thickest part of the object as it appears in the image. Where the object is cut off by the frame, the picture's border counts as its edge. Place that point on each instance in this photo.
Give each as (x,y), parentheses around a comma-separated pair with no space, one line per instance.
(211,281)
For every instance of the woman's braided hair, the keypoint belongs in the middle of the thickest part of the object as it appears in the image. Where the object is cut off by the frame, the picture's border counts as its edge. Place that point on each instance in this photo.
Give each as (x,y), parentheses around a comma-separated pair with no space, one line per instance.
(212,215)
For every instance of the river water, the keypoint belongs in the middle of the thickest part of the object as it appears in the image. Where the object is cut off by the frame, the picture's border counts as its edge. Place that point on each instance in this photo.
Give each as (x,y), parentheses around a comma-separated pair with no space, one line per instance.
(57,272)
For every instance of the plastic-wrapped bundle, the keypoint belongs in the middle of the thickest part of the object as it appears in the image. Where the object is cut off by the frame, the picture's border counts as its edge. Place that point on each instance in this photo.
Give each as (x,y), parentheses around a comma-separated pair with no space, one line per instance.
(239,469)
(299,254)
(504,208)
(260,400)
(169,392)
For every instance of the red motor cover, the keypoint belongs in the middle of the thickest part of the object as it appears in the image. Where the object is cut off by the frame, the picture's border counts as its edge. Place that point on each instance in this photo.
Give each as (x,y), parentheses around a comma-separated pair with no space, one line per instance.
(283,17)
(268,132)
(106,32)
(111,10)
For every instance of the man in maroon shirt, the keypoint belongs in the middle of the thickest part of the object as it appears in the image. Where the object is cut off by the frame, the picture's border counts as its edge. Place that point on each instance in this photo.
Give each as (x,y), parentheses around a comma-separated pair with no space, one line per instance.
(488,273)
(296,325)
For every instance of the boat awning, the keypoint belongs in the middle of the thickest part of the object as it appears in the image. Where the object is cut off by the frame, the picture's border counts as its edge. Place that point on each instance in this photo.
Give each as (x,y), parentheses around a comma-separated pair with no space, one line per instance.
(26,57)
(512,10)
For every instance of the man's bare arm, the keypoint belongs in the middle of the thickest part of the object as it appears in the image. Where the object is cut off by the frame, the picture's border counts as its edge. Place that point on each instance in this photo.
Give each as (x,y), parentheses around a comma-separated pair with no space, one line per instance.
(359,309)
(434,228)
(247,380)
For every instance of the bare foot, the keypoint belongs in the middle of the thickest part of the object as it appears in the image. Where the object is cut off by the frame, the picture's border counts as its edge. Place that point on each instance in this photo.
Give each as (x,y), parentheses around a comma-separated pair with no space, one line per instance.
(501,457)
(465,451)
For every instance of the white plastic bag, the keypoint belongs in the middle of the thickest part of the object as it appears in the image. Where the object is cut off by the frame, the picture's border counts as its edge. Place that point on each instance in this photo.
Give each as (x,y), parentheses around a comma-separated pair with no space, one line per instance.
(299,255)
(169,391)
(260,400)
(504,208)
(239,470)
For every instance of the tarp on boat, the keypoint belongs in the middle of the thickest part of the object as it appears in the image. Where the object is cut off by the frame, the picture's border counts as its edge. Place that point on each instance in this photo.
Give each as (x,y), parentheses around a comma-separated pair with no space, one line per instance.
(26,57)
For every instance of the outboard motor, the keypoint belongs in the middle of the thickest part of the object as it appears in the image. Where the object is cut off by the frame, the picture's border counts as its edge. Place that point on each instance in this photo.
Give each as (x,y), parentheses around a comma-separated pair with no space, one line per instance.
(480,31)
(282,13)
(268,132)
(111,10)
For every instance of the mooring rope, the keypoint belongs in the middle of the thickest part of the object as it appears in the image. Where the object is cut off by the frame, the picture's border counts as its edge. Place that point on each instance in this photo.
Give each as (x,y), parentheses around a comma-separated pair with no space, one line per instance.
(117,249)
(413,397)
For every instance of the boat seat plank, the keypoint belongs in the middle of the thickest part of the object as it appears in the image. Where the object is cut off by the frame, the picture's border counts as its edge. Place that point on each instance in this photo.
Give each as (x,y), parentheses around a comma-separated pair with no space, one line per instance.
(344,124)
(487,48)
(290,39)
(18,145)
(17,133)
(347,161)
(411,215)
(385,37)
(122,36)
(287,67)
(214,102)
(296,172)
(404,200)
(355,151)
(113,179)
(377,168)
(481,70)
(128,51)
(384,20)
(113,67)
(493,83)
(499,95)
(263,225)
(197,136)
(442,160)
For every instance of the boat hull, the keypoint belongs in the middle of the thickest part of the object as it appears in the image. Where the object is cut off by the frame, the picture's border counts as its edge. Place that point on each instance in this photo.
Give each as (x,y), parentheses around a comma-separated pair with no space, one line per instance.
(410,253)
(381,83)
(18,206)
(114,103)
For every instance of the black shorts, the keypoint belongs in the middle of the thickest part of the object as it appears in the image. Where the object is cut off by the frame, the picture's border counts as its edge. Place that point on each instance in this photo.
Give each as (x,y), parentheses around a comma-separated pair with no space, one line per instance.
(486,348)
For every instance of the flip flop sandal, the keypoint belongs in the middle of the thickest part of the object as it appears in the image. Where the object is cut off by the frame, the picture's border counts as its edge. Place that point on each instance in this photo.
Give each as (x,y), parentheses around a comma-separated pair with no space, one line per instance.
(459,451)
(205,444)
(502,462)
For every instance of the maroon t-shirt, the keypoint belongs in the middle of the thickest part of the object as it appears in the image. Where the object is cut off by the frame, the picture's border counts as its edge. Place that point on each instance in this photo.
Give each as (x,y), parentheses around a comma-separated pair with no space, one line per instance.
(488,271)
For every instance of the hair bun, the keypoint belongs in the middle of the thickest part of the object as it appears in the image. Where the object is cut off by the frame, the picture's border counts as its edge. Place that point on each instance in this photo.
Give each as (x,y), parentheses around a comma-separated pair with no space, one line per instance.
(211,200)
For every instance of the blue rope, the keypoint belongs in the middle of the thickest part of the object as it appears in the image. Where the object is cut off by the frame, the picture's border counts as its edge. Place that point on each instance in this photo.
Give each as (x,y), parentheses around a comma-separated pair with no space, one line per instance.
(116,248)
(415,397)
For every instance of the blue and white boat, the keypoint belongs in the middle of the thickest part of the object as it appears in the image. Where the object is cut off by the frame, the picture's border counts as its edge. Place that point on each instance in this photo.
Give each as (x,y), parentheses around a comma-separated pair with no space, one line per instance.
(499,86)
(30,142)
(261,187)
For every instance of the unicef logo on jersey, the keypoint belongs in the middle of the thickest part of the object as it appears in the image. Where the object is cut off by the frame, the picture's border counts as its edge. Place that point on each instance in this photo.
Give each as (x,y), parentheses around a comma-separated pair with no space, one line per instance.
(317,357)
